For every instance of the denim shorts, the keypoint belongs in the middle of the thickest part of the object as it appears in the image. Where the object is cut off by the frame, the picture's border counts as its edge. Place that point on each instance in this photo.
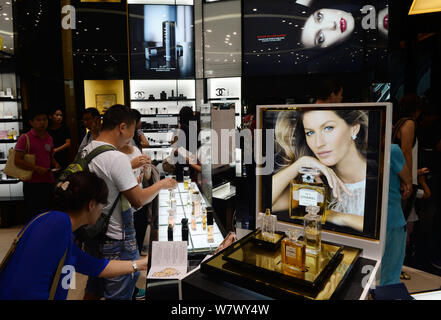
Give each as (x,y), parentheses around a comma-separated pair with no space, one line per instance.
(121,287)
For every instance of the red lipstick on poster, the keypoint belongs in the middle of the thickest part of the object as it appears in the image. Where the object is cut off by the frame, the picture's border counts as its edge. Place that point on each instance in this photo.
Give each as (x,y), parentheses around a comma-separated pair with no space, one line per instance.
(386,21)
(343,25)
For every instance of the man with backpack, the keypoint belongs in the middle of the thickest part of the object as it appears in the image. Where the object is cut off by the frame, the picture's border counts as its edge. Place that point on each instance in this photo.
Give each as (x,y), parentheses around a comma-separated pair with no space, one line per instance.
(118,241)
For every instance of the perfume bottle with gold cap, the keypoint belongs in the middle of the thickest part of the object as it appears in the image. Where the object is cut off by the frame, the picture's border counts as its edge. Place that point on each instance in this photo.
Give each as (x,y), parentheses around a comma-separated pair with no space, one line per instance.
(305,191)
(293,251)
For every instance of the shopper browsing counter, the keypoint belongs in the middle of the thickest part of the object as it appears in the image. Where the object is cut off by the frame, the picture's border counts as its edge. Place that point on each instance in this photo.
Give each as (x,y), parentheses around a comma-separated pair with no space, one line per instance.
(29,272)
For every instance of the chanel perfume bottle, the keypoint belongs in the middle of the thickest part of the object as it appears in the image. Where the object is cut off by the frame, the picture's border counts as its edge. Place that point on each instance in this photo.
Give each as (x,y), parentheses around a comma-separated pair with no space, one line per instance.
(204,218)
(293,251)
(313,230)
(186,176)
(306,191)
(196,204)
(268,226)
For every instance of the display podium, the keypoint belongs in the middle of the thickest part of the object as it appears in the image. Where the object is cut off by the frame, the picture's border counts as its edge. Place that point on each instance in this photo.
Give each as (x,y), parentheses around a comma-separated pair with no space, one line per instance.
(360,236)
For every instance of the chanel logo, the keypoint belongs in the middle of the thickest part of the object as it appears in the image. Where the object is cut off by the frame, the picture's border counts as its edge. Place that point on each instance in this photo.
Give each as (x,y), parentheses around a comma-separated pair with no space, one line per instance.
(308,178)
(220,92)
(139,94)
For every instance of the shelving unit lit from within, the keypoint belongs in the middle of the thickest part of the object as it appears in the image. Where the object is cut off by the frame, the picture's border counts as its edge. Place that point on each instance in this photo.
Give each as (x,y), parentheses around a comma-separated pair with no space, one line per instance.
(159,102)
(11,119)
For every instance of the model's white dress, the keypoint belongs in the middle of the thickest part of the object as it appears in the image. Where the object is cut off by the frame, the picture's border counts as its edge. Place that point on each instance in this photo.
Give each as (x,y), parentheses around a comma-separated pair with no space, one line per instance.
(351,204)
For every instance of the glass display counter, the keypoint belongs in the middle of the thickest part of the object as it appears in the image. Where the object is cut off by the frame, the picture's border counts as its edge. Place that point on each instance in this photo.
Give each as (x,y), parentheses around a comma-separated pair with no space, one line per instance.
(198,238)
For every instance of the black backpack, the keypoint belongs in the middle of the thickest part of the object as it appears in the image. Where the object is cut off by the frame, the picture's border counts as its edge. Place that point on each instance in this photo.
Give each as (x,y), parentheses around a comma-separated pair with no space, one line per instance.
(91,236)
(82,164)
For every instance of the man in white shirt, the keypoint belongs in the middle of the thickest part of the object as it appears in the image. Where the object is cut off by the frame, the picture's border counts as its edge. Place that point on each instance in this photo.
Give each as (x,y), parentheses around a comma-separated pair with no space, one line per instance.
(115,168)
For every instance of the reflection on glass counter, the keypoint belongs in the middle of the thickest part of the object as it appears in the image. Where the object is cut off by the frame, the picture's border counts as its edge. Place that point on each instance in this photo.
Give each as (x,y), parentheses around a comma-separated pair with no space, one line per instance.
(198,231)
(259,269)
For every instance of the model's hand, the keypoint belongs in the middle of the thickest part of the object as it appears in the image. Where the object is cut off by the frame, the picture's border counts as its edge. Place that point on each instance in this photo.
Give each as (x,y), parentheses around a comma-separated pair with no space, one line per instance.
(338,187)
(168,183)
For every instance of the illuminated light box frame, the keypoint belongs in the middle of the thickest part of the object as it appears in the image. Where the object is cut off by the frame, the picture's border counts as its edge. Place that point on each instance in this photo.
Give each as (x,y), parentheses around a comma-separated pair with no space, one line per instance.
(372,244)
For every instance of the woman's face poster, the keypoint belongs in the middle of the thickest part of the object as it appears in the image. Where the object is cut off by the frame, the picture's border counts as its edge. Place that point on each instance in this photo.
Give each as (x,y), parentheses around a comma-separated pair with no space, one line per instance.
(338,150)
(314,36)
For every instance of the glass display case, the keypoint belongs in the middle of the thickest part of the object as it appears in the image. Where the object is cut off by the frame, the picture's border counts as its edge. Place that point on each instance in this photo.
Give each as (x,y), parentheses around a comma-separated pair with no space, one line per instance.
(198,237)
(11,119)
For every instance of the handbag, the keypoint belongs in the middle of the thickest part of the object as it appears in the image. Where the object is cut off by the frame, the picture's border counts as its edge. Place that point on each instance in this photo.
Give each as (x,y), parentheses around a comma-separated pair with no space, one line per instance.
(57,275)
(12,170)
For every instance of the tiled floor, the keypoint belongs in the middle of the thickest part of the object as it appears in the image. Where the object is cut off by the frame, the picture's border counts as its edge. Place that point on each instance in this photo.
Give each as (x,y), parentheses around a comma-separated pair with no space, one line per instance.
(420,280)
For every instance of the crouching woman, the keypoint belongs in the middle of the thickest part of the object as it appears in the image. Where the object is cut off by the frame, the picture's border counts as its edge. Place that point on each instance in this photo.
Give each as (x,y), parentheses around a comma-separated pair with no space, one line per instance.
(41,265)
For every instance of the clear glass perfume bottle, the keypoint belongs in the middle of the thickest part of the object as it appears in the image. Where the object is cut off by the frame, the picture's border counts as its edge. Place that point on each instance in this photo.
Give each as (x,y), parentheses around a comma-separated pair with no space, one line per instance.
(186,177)
(269,222)
(196,204)
(306,191)
(293,251)
(313,230)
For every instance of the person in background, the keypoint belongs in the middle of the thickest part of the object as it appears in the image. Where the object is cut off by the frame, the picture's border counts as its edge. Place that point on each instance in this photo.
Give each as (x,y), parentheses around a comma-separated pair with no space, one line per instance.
(115,168)
(329,91)
(92,121)
(30,270)
(37,191)
(187,123)
(404,134)
(139,138)
(396,233)
(61,137)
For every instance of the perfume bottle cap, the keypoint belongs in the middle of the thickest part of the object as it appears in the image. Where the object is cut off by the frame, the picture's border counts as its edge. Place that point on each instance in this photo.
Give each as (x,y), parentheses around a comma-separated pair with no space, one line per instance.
(313,209)
(184,222)
(268,212)
(309,174)
(294,234)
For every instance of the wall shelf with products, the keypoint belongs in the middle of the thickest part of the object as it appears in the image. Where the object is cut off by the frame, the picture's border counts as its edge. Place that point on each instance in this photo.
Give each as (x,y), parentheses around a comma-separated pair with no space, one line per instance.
(160,116)
(11,118)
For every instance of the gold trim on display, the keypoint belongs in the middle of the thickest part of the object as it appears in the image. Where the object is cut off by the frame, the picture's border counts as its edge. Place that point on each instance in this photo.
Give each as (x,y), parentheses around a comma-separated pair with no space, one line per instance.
(424,6)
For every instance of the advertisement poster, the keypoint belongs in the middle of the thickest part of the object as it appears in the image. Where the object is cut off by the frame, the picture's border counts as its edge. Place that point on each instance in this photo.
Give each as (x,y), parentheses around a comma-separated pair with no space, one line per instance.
(314,36)
(161,41)
(329,158)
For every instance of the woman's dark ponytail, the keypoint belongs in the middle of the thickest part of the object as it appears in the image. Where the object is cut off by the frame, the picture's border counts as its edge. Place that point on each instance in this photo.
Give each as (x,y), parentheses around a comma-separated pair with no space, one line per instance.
(78,190)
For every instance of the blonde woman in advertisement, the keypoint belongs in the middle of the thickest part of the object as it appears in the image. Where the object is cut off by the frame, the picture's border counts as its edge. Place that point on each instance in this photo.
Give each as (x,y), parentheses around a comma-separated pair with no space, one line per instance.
(335,143)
